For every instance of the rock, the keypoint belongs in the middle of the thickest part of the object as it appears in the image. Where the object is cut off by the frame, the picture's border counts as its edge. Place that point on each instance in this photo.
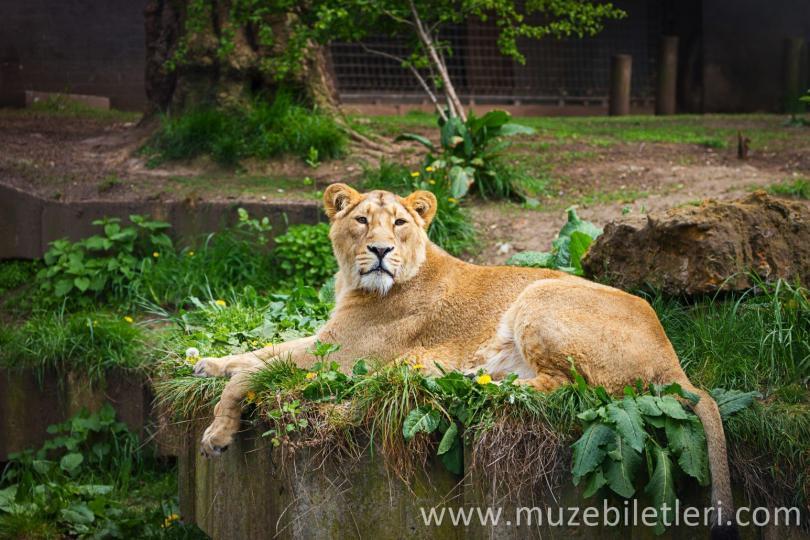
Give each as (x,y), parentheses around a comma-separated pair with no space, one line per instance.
(707,248)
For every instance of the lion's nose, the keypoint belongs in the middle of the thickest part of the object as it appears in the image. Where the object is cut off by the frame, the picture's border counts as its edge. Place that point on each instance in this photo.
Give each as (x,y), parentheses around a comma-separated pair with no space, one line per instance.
(379,250)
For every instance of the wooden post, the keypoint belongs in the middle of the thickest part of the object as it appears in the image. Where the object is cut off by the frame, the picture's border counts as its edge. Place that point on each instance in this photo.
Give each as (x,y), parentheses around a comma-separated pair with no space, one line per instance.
(620,73)
(667,76)
(793,72)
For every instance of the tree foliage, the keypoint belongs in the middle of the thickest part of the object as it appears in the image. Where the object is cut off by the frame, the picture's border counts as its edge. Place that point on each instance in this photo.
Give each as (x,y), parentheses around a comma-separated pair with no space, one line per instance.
(421,24)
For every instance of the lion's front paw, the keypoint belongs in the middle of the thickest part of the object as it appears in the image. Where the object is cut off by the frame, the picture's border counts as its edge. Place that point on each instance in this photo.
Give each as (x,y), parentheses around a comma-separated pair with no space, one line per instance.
(215,441)
(208,367)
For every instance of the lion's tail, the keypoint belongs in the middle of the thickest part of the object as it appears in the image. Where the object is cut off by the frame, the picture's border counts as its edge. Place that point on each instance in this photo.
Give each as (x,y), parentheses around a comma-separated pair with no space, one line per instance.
(724,525)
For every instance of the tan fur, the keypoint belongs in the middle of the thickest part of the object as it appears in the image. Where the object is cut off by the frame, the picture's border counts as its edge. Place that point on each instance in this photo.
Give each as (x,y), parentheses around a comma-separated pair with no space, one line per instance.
(437,308)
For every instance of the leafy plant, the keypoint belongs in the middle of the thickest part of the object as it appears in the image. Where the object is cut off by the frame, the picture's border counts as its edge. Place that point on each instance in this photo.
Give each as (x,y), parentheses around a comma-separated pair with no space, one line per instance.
(103,265)
(77,484)
(567,249)
(304,253)
(470,151)
(620,435)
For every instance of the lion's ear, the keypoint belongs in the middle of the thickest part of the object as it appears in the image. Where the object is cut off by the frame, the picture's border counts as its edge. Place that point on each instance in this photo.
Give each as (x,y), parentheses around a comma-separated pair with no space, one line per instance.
(336,197)
(423,203)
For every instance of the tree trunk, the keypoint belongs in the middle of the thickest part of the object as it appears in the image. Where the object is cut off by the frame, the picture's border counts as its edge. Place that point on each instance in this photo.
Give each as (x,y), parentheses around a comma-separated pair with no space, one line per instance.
(204,76)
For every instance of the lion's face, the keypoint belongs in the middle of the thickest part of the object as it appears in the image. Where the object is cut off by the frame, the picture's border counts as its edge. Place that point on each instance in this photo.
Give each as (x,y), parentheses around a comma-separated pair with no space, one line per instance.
(379,238)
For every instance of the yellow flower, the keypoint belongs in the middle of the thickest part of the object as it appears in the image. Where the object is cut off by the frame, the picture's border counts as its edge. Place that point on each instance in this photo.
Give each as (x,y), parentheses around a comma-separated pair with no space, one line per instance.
(155,254)
(431,182)
(191,253)
(418,365)
(171,518)
(483,379)
(221,302)
(311,375)
(429,168)
(415,174)
(129,319)
(250,396)
(452,200)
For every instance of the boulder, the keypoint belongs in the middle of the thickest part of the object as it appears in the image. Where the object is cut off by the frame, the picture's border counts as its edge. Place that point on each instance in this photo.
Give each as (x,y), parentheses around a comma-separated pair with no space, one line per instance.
(717,246)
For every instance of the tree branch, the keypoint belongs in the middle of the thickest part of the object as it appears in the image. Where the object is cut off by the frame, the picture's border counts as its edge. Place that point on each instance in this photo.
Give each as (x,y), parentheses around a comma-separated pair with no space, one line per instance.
(427,41)
(415,72)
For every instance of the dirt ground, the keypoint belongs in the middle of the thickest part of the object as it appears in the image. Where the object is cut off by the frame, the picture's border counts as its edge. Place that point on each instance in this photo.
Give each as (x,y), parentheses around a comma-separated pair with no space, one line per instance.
(607,167)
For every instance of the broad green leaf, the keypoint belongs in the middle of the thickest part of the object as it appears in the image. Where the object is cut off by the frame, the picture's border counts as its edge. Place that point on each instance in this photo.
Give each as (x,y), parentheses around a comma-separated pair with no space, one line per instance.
(448,439)
(596,480)
(535,259)
(577,247)
(688,441)
(621,468)
(732,401)
(417,138)
(671,407)
(589,450)
(460,181)
(495,119)
(647,406)
(661,487)
(628,422)
(424,419)
(507,130)
(62,287)
(78,514)
(7,497)
(81,283)
(70,462)
(453,459)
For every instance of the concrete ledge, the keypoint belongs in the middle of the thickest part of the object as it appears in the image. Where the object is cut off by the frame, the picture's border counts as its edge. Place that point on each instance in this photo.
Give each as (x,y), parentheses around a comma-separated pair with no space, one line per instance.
(29,223)
(245,493)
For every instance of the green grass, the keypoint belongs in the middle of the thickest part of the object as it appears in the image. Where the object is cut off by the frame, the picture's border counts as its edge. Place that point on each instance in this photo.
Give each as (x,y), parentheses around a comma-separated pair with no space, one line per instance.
(86,343)
(262,130)
(798,188)
(60,106)
(15,274)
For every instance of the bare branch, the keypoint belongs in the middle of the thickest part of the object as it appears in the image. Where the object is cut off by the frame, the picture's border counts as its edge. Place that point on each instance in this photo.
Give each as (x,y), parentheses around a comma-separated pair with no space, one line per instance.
(427,41)
(416,74)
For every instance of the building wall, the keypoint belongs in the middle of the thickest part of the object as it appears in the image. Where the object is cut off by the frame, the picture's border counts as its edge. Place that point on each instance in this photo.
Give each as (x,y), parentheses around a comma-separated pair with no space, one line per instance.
(77,46)
(743,43)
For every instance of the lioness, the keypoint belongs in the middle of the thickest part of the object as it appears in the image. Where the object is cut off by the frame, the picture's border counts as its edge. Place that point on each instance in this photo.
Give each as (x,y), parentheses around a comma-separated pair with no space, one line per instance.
(399,295)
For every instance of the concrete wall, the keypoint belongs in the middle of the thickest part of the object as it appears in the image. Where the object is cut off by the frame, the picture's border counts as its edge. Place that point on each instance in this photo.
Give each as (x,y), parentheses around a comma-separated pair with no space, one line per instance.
(743,44)
(76,46)
(28,224)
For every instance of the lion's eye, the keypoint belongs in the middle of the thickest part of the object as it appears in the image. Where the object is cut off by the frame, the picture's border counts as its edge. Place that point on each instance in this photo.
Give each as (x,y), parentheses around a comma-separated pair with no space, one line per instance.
(401,221)
(361,220)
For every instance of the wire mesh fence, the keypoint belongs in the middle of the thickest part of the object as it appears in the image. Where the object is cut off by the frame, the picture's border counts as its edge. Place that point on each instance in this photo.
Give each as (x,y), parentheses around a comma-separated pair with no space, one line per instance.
(556,70)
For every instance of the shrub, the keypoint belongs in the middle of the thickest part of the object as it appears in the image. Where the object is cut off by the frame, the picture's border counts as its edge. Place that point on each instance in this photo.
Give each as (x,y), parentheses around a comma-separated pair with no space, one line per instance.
(265,129)
(103,266)
(304,253)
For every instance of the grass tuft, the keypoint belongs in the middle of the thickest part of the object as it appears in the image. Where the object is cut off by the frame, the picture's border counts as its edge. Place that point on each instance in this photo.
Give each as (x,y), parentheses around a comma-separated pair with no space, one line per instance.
(265,129)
